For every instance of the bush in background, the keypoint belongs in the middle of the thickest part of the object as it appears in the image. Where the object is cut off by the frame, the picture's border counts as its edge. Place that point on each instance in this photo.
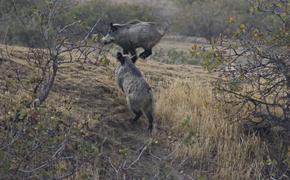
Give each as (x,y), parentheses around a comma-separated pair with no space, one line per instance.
(19,20)
(210,18)
(174,56)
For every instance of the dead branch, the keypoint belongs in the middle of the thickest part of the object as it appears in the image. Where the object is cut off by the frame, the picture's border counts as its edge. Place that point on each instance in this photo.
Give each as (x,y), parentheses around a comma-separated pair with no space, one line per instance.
(138,158)
(92,29)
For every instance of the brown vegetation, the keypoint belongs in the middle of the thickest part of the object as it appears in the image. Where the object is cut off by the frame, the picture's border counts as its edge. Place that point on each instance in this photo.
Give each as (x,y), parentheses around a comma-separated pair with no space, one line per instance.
(62,116)
(193,138)
(207,143)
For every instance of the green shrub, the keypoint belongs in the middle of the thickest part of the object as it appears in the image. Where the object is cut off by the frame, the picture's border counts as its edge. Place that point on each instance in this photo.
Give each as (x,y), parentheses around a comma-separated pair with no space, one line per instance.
(43,143)
(174,56)
(91,11)
(211,18)
(21,25)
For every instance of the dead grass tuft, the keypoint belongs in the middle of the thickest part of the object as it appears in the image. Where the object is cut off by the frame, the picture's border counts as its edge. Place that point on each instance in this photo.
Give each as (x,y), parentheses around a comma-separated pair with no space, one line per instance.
(217,148)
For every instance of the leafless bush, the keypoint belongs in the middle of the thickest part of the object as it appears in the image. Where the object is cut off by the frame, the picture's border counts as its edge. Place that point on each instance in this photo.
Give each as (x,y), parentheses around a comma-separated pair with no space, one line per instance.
(35,142)
(255,78)
(260,80)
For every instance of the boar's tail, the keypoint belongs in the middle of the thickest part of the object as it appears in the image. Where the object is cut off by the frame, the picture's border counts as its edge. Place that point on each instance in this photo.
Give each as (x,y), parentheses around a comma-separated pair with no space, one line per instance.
(132,22)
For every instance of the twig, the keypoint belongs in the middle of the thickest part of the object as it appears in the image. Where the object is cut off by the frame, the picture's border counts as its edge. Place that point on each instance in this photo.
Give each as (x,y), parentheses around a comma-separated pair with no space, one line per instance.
(68,26)
(35,169)
(155,156)
(138,158)
(16,13)
(92,29)
(170,154)
(59,149)
(112,165)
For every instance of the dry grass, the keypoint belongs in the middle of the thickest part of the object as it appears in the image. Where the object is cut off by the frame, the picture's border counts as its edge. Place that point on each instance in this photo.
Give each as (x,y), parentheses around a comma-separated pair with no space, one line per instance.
(218,149)
(195,133)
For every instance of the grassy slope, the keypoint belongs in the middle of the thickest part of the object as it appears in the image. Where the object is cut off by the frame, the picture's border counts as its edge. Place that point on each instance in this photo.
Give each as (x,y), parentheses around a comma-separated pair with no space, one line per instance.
(181,91)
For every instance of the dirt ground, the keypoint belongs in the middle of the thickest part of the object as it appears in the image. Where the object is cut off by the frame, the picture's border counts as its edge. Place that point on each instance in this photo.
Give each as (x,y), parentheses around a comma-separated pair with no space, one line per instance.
(98,101)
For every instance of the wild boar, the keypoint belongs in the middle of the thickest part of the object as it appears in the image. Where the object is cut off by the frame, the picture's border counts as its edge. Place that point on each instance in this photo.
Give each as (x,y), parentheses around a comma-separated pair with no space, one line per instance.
(138,93)
(135,34)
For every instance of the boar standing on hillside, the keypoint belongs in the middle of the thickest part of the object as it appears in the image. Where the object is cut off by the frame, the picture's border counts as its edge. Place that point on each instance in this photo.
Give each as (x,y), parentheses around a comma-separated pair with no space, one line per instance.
(135,34)
(138,93)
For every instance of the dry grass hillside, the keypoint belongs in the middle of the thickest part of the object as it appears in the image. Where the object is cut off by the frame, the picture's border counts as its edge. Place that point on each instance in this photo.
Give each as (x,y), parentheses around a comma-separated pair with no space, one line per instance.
(192,138)
(62,115)
(165,4)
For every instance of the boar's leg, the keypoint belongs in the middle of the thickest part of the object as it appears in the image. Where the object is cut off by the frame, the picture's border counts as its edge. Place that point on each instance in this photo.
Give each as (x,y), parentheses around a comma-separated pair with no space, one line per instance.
(150,118)
(125,51)
(145,54)
(134,55)
(138,114)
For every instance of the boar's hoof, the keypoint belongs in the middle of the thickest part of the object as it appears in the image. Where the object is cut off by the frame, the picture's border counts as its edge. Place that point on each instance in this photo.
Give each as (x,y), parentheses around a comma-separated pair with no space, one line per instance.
(133,121)
(134,59)
(150,127)
(137,116)
(143,55)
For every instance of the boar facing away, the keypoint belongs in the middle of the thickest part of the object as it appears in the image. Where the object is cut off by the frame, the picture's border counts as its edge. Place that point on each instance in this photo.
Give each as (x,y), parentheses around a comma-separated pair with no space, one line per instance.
(135,34)
(138,93)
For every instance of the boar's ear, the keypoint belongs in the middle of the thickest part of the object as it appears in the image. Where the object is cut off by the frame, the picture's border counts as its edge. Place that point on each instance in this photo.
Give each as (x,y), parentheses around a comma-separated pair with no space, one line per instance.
(121,58)
(113,27)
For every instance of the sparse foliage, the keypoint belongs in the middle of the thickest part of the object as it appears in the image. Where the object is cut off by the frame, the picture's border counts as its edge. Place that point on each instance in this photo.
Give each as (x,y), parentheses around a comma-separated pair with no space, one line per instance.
(38,141)
(174,56)
(207,18)
(59,122)
(255,74)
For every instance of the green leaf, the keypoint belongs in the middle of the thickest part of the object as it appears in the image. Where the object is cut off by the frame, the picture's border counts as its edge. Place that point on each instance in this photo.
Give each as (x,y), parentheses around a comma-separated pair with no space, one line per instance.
(188,139)
(23,113)
(201,178)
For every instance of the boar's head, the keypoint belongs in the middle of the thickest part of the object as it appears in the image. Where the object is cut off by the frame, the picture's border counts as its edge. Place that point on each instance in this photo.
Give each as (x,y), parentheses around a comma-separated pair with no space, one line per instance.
(111,36)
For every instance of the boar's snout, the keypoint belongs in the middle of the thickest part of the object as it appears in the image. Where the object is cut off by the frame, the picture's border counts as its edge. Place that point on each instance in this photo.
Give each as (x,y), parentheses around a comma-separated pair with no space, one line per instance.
(107,39)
